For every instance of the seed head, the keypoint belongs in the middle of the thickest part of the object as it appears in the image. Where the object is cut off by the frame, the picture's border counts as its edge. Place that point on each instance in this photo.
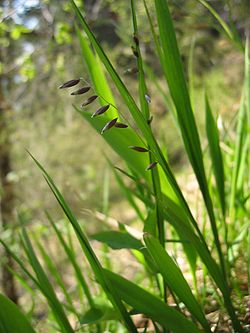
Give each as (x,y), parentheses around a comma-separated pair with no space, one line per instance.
(69,83)
(139,149)
(80,91)
(121,125)
(151,166)
(89,100)
(101,110)
(109,125)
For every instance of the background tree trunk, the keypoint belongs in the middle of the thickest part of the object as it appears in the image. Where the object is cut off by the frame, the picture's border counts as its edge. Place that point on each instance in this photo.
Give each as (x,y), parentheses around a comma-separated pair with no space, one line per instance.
(7,196)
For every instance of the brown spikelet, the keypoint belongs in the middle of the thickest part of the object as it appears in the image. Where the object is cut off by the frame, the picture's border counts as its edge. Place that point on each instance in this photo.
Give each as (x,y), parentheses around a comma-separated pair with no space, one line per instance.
(101,110)
(80,91)
(109,125)
(69,83)
(89,100)
(151,166)
(136,40)
(150,120)
(121,125)
(140,149)
(135,52)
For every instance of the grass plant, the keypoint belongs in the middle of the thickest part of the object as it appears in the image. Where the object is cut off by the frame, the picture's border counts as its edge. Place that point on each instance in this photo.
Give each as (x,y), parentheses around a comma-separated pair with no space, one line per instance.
(162,210)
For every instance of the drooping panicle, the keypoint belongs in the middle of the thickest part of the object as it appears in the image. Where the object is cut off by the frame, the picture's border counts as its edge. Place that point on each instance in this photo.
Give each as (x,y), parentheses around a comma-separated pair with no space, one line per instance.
(80,91)
(109,125)
(70,83)
(100,111)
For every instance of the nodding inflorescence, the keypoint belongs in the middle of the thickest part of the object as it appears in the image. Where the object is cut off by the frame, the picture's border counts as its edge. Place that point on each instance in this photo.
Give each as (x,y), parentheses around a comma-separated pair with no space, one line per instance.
(101,110)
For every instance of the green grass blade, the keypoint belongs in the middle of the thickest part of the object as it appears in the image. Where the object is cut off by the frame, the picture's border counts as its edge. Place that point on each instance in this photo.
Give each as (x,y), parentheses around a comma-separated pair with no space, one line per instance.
(12,319)
(246,165)
(128,194)
(191,86)
(184,229)
(142,84)
(175,279)
(151,306)
(178,89)
(224,25)
(167,98)
(242,134)
(96,74)
(145,109)
(46,286)
(248,259)
(54,272)
(159,53)
(71,256)
(158,200)
(89,253)
(231,33)
(118,240)
(20,263)
(215,153)
(23,281)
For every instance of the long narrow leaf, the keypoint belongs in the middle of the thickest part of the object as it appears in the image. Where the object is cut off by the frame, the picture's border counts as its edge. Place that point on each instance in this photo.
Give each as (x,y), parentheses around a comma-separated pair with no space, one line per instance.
(175,279)
(73,261)
(154,308)
(46,286)
(215,153)
(178,89)
(142,83)
(12,319)
(89,253)
(231,33)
